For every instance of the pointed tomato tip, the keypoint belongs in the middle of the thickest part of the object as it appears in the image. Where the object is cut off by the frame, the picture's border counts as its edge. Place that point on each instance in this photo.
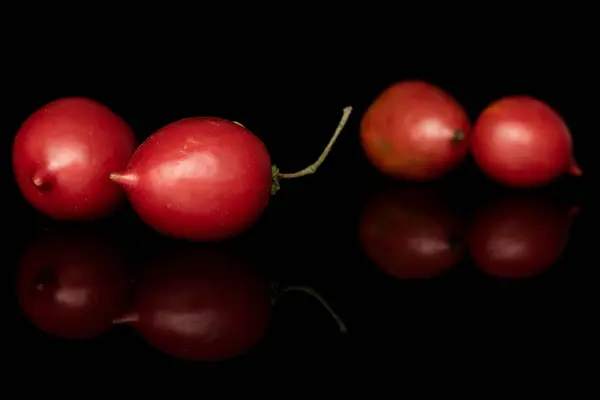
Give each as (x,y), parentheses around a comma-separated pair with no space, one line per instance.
(37,181)
(123,178)
(115,176)
(40,180)
(575,170)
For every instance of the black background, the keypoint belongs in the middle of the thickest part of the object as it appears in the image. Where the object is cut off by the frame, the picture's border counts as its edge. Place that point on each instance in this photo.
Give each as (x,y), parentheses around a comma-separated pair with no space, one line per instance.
(287,78)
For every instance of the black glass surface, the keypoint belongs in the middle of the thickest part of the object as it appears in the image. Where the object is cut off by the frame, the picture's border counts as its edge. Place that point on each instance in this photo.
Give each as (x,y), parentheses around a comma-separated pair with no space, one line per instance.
(331,256)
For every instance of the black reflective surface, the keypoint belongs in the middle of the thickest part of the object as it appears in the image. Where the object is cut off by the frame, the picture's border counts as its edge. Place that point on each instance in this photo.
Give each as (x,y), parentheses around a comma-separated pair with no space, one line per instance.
(345,269)
(336,272)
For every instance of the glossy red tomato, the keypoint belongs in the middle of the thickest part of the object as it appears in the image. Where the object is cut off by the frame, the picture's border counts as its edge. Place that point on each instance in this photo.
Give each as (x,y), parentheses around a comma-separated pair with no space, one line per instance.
(415,131)
(520,141)
(63,155)
(200,179)
(205,178)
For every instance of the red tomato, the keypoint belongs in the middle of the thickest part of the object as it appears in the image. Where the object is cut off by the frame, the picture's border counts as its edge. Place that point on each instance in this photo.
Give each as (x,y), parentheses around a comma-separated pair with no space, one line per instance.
(199,179)
(415,131)
(205,178)
(63,156)
(520,141)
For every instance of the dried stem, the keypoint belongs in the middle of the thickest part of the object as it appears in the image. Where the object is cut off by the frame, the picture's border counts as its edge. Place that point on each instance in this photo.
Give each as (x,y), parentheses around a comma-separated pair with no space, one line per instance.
(311,169)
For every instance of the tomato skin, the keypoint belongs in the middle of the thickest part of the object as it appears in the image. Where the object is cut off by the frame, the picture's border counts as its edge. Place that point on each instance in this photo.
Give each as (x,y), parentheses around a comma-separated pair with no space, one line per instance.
(415,131)
(63,154)
(411,233)
(521,142)
(199,179)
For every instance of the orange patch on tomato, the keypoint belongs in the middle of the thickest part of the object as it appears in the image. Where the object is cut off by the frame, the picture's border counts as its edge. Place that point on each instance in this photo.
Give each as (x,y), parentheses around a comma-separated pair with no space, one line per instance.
(494,108)
(384,146)
(404,164)
(392,160)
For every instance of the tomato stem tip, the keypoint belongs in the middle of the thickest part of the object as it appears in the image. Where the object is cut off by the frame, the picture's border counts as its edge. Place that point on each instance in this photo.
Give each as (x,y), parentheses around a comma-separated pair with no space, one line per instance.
(40,180)
(125,179)
(458,136)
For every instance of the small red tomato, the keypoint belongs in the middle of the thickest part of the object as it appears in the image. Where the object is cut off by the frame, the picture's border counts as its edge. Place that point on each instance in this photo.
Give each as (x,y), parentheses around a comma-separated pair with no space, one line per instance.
(199,179)
(204,178)
(415,131)
(520,141)
(63,156)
